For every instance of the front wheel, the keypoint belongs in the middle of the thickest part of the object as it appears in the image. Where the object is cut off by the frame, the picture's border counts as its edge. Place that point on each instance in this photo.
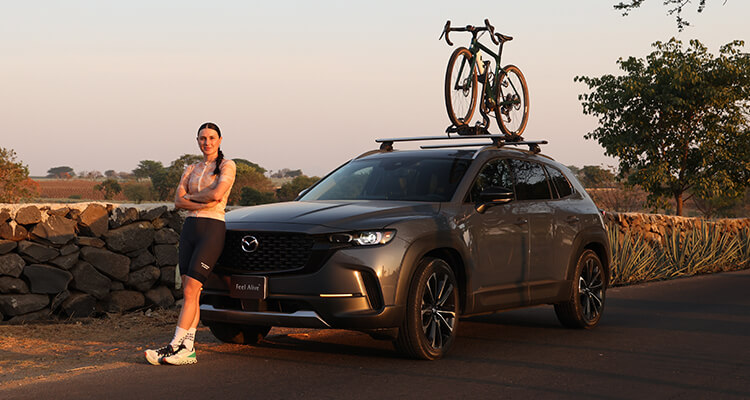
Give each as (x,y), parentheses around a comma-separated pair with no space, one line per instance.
(512,104)
(460,87)
(584,307)
(239,334)
(429,326)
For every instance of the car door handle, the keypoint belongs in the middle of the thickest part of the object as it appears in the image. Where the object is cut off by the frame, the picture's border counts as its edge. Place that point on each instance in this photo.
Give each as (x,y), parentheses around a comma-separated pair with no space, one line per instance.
(572,219)
(521,221)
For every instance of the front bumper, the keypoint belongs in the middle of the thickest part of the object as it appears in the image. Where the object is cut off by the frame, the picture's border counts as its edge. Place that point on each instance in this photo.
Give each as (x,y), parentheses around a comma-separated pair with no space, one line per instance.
(353,289)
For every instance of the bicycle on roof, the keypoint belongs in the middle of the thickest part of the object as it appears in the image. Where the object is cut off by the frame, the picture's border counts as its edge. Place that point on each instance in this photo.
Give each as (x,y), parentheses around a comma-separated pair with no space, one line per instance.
(504,95)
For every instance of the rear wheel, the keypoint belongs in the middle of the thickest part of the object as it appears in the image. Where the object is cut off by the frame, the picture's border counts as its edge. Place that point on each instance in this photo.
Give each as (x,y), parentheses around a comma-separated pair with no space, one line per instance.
(585,306)
(239,334)
(512,112)
(429,326)
(460,87)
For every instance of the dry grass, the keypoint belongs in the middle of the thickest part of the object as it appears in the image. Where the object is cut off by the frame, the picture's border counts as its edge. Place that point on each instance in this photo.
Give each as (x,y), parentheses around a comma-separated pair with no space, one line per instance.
(79,189)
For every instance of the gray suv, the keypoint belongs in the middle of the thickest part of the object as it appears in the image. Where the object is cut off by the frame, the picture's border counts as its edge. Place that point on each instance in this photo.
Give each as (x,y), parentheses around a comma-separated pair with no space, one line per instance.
(401,244)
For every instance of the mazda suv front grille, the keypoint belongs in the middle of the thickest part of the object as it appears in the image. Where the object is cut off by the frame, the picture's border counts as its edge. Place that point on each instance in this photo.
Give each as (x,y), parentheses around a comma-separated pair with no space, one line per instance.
(265,252)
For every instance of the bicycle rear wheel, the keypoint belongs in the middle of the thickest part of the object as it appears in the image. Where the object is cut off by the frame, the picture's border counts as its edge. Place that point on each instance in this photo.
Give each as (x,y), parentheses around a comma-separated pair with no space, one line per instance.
(460,87)
(512,111)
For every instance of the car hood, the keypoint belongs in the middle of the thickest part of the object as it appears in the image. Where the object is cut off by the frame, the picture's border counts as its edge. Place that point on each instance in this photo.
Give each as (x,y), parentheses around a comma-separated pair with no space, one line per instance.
(339,215)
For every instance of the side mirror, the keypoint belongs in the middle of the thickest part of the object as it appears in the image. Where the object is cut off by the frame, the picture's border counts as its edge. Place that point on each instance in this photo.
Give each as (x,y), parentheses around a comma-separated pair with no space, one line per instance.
(493,196)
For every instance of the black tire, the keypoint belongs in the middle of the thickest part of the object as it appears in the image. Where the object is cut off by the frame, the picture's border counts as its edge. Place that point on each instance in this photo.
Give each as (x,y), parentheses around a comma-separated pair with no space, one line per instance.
(460,87)
(512,111)
(584,308)
(430,323)
(239,334)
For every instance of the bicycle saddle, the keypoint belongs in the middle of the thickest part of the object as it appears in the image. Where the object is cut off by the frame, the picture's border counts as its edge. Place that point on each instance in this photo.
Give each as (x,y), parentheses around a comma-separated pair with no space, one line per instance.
(503,38)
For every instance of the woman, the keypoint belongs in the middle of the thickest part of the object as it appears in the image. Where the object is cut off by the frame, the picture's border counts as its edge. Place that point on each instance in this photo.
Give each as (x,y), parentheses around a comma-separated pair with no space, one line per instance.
(203,191)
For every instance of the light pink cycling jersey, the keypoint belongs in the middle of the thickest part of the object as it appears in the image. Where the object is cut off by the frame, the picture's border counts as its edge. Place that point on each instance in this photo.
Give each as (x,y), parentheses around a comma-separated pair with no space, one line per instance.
(199,176)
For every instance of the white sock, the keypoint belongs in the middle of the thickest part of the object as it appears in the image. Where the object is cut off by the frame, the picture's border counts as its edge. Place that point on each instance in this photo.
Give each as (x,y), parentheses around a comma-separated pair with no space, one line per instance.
(189,340)
(179,337)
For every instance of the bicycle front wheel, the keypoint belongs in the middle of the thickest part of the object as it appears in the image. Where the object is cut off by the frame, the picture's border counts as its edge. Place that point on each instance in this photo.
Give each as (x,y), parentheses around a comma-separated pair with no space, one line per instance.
(512,105)
(461,87)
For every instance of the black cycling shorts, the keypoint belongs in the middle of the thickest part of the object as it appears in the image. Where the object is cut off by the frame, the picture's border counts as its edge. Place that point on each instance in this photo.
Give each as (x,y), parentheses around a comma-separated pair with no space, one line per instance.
(201,243)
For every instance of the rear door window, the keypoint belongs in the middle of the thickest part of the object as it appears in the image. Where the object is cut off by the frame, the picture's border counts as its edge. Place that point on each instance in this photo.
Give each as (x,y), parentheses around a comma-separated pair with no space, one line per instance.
(559,182)
(530,179)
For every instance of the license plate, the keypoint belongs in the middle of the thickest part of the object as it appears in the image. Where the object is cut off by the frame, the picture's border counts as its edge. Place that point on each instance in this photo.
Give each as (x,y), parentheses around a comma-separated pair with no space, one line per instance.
(248,287)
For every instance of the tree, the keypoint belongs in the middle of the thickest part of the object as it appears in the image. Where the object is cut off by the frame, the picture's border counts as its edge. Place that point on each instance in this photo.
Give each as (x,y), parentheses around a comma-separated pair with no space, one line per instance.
(251,197)
(722,206)
(125,175)
(60,172)
(14,178)
(290,190)
(676,9)
(89,174)
(287,173)
(109,188)
(575,170)
(593,176)
(248,177)
(239,161)
(677,121)
(147,169)
(137,191)
(110,173)
(183,161)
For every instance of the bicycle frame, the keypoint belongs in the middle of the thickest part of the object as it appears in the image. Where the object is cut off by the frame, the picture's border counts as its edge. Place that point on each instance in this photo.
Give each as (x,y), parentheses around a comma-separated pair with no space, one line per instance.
(489,88)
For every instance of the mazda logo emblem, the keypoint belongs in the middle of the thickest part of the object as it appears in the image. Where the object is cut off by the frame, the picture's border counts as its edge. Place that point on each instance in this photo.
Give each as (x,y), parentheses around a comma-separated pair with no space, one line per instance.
(249,244)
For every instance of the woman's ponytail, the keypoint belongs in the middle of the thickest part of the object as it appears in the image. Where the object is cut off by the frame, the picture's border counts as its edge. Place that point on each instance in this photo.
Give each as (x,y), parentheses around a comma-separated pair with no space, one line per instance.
(217,170)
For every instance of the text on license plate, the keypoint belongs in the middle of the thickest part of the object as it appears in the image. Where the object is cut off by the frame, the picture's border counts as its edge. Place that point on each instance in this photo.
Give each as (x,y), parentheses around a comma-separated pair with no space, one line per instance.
(248,287)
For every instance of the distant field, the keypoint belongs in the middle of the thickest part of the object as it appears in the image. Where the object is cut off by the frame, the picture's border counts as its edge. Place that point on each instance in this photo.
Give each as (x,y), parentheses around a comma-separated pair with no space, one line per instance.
(59,189)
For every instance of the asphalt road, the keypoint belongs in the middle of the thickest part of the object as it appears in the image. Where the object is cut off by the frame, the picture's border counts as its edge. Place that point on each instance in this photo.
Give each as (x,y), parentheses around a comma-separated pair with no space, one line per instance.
(686,338)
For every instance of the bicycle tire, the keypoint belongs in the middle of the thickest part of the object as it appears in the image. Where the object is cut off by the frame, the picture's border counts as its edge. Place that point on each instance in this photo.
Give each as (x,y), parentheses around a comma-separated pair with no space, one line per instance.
(512,106)
(457,96)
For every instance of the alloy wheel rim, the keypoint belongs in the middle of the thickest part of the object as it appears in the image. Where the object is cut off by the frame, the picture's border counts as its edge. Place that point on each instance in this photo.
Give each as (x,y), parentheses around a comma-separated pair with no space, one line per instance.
(438,310)
(591,290)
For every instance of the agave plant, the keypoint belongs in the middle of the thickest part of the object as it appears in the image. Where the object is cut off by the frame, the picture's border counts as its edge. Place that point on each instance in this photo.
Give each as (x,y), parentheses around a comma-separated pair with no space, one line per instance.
(700,250)
(743,253)
(633,259)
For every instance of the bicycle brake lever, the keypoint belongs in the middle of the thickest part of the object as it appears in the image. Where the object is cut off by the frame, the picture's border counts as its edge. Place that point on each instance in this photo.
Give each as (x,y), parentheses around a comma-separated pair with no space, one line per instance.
(446,30)
(492,31)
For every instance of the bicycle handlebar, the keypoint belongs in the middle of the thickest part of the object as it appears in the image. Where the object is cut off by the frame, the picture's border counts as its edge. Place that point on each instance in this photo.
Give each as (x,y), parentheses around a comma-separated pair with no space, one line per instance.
(469,28)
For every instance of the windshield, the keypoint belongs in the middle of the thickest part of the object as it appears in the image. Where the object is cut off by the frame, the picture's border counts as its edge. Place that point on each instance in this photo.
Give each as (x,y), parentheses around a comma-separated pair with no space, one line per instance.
(391,178)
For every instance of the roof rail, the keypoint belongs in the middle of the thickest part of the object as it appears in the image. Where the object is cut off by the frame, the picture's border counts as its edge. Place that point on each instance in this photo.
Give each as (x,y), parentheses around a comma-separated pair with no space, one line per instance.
(497,141)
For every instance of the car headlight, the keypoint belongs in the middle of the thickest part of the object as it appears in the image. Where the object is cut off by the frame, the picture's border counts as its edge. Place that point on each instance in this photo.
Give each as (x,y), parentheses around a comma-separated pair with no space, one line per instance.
(364,238)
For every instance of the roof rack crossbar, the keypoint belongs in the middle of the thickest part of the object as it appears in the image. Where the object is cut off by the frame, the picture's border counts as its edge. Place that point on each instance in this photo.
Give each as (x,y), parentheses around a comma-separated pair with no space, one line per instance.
(420,138)
(497,140)
(445,146)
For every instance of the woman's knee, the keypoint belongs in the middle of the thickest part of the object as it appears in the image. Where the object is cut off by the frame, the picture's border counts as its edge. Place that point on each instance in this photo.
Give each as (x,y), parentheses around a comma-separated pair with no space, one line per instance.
(191,287)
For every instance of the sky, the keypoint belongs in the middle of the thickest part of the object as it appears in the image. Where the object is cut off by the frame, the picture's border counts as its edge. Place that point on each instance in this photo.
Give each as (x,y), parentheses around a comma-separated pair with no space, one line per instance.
(100,85)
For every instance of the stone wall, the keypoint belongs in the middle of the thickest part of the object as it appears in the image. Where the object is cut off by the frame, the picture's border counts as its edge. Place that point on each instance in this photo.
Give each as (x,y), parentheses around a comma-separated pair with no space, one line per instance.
(77,260)
(654,227)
